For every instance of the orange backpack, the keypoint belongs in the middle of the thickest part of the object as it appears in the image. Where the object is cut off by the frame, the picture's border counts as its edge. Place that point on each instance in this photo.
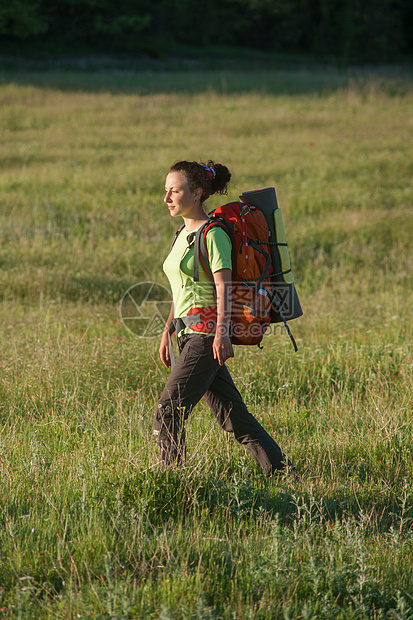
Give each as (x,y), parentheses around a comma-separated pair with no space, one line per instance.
(252,296)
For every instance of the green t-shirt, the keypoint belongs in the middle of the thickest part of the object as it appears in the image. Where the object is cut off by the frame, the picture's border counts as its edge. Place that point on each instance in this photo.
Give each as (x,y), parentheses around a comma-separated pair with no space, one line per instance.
(179,269)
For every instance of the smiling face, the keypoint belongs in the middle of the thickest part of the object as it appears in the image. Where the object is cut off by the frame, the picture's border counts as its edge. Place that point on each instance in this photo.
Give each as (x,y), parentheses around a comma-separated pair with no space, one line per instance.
(181,200)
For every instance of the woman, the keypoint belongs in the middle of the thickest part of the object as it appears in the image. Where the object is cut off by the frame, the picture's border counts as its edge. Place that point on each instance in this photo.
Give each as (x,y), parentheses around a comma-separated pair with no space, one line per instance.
(200,369)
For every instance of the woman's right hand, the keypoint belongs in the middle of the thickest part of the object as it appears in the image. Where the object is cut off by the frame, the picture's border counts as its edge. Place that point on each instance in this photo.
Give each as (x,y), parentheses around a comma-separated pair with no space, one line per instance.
(164,350)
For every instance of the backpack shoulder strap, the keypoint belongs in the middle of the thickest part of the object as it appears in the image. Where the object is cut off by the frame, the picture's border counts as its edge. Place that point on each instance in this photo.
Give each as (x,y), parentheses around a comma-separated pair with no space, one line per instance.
(201,252)
(176,237)
(200,248)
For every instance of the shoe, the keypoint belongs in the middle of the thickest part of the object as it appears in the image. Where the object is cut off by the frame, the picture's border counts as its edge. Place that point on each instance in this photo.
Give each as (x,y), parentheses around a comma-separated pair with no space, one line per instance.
(287,470)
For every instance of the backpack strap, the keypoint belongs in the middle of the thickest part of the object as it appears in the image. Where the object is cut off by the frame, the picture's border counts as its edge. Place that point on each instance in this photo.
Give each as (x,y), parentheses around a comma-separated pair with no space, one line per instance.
(287,327)
(182,226)
(200,249)
(267,265)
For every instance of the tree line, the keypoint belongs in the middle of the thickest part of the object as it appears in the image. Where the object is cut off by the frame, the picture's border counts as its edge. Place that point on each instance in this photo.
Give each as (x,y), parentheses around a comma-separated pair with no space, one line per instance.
(351,30)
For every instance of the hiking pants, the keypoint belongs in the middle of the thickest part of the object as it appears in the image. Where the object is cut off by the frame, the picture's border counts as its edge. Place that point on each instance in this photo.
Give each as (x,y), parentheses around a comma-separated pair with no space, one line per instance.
(197,374)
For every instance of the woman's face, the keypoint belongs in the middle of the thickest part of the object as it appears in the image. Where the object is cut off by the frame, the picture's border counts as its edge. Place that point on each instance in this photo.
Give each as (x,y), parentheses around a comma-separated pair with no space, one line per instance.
(180,199)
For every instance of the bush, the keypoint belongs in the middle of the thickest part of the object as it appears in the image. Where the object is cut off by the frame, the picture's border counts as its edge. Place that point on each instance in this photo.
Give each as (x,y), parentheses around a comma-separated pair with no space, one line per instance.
(351,30)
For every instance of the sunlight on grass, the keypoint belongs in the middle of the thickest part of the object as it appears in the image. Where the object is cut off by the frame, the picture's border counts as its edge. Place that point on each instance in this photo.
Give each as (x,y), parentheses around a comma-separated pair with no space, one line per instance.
(91,525)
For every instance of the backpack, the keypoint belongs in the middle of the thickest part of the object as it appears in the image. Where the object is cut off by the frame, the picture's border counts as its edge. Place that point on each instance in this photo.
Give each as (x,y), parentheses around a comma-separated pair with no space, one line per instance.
(251,265)
(261,295)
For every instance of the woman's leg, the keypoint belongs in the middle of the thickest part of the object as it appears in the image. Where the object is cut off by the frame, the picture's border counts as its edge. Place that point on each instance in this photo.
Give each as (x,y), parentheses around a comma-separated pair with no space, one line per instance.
(232,415)
(191,376)
(197,374)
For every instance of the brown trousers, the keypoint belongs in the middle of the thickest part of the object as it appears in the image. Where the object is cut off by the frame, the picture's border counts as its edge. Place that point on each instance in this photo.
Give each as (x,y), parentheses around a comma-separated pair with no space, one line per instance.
(197,374)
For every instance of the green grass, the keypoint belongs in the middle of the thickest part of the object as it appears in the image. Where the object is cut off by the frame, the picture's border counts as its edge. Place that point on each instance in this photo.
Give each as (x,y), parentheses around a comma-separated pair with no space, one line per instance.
(91,526)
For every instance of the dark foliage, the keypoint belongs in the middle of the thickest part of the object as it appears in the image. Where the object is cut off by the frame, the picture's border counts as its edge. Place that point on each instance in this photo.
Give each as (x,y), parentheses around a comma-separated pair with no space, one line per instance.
(350,30)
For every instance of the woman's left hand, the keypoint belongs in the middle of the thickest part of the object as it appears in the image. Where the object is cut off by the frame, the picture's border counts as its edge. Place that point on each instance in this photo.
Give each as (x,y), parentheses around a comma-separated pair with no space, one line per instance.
(222,349)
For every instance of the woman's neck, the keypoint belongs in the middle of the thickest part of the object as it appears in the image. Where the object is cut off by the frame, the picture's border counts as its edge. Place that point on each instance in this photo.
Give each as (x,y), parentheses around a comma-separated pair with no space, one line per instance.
(191,225)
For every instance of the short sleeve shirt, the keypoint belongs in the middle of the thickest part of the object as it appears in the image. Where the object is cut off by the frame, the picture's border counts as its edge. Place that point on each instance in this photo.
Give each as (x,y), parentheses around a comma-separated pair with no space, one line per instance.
(179,269)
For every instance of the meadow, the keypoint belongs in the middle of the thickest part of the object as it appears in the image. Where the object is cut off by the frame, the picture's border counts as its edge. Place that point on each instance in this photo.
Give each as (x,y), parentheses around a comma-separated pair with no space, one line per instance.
(90,525)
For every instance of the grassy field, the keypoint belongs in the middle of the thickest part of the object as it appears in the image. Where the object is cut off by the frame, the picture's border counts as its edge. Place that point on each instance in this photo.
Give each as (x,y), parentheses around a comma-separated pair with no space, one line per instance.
(91,526)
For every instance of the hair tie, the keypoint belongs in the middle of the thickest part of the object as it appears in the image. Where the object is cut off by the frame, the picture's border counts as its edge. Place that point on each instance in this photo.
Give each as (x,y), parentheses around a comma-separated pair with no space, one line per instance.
(210,171)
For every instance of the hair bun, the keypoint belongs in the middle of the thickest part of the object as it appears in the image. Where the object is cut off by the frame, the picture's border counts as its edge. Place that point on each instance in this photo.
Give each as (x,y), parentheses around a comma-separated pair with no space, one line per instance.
(220,180)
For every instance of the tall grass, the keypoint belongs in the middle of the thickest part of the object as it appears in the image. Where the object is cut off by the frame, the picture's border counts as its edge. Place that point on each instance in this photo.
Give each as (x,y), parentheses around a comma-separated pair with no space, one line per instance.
(91,526)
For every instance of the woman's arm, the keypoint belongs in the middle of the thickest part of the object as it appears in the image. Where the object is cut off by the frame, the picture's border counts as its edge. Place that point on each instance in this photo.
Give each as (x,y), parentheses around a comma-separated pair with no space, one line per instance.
(222,346)
(164,346)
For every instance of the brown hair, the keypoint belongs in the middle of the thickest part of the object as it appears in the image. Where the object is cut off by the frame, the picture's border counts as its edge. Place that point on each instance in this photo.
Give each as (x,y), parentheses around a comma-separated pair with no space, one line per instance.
(212,178)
